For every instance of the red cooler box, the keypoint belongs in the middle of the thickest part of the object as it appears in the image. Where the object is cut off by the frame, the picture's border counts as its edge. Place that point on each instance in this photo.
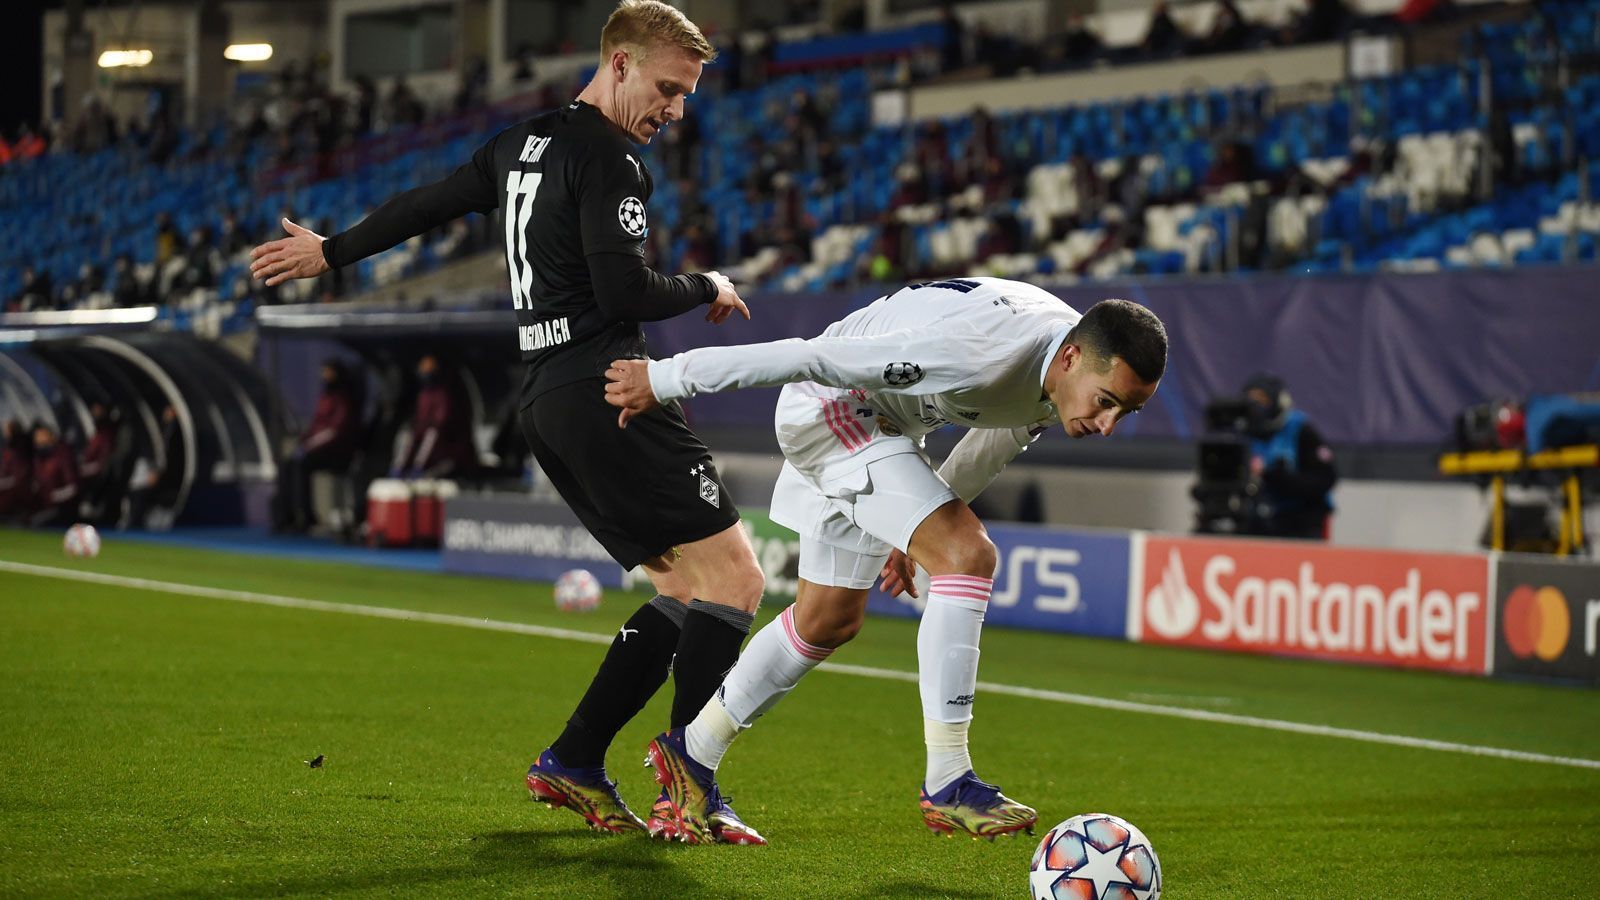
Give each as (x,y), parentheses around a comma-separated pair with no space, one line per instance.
(390,514)
(428,509)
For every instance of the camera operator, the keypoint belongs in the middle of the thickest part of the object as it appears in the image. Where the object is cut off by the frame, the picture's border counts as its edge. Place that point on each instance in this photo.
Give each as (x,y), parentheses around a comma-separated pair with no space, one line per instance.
(1264,469)
(1290,462)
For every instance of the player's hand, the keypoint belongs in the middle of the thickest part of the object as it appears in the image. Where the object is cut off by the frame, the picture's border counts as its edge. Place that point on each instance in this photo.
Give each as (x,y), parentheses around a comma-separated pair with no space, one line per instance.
(899,574)
(727,302)
(297,256)
(628,388)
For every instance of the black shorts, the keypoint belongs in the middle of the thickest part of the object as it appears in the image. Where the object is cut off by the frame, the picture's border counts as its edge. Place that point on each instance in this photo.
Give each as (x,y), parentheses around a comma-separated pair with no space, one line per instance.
(640,490)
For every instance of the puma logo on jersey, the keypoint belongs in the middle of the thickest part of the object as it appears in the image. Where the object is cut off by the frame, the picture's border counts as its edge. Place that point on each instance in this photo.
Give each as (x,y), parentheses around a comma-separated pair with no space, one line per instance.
(638,173)
(627,631)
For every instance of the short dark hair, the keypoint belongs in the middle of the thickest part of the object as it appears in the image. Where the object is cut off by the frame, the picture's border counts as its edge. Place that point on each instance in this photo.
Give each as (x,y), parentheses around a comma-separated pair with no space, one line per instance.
(1113,328)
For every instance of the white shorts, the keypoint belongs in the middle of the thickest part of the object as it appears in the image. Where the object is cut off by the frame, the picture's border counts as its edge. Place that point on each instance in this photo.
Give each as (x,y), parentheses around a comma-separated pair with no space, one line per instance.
(852,504)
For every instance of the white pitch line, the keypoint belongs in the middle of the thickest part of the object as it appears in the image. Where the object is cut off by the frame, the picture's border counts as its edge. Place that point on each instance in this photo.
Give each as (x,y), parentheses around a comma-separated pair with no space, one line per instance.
(1176,712)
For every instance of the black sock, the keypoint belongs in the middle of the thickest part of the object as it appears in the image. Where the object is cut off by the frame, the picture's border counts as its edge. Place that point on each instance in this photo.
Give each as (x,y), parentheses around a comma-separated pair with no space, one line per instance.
(634,668)
(707,649)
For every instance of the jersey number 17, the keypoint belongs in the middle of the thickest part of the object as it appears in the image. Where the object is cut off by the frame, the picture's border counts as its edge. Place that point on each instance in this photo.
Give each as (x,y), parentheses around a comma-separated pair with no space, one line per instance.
(520,190)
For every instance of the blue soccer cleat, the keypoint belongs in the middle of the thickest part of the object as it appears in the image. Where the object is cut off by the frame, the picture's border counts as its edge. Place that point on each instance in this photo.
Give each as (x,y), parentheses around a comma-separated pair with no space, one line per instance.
(976,807)
(588,792)
(691,808)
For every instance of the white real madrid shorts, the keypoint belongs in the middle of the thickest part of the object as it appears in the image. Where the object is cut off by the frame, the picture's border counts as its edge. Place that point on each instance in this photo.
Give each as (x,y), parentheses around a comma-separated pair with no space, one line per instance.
(849,489)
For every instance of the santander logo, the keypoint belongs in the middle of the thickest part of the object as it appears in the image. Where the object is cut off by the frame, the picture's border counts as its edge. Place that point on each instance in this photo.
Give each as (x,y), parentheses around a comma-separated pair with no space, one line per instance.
(1172,608)
(1376,606)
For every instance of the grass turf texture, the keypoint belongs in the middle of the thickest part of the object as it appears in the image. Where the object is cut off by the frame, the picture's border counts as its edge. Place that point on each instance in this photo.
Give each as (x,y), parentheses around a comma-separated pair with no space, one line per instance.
(154,744)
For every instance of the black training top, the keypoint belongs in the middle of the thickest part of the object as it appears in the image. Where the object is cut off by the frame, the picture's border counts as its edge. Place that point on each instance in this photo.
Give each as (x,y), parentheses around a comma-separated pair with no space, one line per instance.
(573,191)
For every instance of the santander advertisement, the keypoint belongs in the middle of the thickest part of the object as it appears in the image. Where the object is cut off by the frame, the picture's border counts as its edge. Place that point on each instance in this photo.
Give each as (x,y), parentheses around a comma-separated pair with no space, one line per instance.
(1422,610)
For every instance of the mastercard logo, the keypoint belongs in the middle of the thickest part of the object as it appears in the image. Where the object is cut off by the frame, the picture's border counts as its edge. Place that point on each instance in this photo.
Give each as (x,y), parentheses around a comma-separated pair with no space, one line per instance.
(1536,622)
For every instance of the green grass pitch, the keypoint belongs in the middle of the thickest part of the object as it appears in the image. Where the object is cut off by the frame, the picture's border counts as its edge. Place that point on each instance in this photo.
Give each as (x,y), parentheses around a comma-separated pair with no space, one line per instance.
(154,744)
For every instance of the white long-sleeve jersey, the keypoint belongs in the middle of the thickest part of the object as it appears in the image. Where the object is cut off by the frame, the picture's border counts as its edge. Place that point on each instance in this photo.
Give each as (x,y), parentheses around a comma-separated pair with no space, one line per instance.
(971,352)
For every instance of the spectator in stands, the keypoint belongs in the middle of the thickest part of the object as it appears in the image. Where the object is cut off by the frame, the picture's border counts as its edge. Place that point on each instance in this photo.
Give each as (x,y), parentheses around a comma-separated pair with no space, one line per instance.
(1074,47)
(328,444)
(1322,20)
(167,239)
(100,468)
(16,470)
(1415,12)
(1229,31)
(523,70)
(953,52)
(28,145)
(1163,38)
(888,259)
(55,480)
(35,293)
(231,237)
(201,264)
(90,288)
(94,129)
(365,107)
(474,91)
(1235,163)
(402,108)
(1291,463)
(124,285)
(441,444)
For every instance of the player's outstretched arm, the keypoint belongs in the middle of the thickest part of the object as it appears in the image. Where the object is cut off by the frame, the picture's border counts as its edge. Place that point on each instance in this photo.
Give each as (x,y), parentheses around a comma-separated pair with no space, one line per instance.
(306,254)
(297,256)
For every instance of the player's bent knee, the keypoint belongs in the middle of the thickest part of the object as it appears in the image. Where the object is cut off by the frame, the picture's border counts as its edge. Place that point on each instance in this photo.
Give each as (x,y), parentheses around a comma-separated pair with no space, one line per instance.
(829,626)
(973,554)
(740,585)
(839,633)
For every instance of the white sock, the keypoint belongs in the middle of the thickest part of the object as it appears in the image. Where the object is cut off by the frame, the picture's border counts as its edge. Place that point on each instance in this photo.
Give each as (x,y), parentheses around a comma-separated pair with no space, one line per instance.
(771,665)
(948,758)
(947,669)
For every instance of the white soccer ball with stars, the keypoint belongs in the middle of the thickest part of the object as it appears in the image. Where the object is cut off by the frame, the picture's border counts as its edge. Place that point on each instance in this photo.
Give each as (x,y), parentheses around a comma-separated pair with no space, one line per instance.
(577,590)
(81,540)
(1095,857)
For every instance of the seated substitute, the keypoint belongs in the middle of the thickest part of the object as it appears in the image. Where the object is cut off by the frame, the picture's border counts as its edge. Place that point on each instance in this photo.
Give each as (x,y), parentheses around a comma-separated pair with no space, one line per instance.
(1007,360)
(328,444)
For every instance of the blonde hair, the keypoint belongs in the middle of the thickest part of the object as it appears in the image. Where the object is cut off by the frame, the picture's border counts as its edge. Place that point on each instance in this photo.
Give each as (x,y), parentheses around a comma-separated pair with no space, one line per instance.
(639,26)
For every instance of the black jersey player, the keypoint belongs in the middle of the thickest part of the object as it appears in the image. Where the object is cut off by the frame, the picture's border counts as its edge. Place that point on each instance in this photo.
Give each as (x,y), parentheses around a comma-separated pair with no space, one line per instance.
(572,192)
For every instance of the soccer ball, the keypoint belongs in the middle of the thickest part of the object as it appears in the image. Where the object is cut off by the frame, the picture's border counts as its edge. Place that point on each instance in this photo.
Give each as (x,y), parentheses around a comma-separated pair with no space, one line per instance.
(81,540)
(1095,857)
(577,590)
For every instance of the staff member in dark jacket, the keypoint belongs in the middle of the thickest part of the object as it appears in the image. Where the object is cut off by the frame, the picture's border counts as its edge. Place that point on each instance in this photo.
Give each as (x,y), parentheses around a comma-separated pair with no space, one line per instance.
(441,434)
(327,445)
(55,480)
(16,471)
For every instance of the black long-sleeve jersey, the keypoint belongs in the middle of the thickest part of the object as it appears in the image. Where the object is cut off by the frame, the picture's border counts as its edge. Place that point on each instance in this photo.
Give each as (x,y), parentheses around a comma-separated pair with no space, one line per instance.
(573,190)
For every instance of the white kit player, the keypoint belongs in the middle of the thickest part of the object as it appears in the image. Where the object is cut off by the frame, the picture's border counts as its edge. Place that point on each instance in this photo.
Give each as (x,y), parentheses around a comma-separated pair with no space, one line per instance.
(1005,359)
